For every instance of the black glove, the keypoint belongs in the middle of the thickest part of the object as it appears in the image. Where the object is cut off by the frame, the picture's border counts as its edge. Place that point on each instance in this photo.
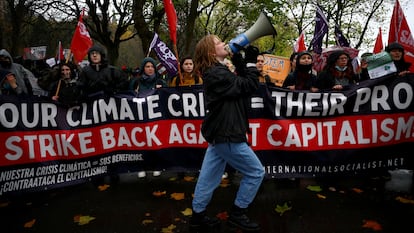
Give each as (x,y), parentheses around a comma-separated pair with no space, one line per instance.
(250,54)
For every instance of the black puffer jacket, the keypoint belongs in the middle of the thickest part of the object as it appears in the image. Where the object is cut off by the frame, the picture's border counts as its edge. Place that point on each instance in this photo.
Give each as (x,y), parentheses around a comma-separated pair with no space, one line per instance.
(227,100)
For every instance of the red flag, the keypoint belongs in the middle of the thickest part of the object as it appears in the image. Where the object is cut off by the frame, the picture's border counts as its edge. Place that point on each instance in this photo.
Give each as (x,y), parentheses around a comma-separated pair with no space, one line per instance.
(300,43)
(81,41)
(400,32)
(379,46)
(172,19)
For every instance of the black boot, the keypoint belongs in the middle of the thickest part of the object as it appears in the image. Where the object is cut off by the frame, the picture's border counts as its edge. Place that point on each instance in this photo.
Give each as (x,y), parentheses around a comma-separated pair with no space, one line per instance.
(239,219)
(200,222)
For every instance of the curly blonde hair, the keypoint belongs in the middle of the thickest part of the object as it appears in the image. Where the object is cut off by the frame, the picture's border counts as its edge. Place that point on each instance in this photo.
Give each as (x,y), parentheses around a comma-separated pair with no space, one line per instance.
(205,54)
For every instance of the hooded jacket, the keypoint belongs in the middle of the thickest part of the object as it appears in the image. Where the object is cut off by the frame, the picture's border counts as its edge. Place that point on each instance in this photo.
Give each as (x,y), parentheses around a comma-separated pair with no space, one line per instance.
(141,83)
(22,79)
(101,77)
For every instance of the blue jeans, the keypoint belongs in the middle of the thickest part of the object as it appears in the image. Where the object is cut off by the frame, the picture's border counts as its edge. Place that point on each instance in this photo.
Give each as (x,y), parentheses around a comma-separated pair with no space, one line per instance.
(242,158)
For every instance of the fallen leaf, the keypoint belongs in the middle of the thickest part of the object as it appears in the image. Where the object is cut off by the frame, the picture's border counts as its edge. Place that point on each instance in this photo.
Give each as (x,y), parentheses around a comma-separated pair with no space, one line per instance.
(82,220)
(177,196)
(147,214)
(404,200)
(189,178)
(30,223)
(103,187)
(224,183)
(147,221)
(172,179)
(169,229)
(314,188)
(357,190)
(187,212)
(282,209)
(159,193)
(374,225)
(4,204)
(223,216)
(321,196)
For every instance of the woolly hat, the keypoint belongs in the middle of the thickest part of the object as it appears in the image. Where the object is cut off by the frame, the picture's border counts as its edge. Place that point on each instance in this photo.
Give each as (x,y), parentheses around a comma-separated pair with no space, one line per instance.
(145,61)
(300,54)
(99,49)
(394,45)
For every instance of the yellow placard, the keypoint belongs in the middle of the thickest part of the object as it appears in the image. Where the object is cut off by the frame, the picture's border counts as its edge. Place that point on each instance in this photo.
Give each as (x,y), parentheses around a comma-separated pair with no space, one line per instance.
(277,68)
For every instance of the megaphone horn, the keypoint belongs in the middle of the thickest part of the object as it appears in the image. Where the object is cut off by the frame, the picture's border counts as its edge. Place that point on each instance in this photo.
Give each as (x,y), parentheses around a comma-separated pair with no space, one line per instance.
(262,27)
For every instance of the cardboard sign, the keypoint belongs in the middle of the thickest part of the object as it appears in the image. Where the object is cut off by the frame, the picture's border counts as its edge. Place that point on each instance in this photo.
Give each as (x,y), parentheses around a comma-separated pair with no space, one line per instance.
(277,68)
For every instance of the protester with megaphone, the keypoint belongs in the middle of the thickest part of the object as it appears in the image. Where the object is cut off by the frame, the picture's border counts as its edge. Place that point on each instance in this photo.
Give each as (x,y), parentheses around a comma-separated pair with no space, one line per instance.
(227,96)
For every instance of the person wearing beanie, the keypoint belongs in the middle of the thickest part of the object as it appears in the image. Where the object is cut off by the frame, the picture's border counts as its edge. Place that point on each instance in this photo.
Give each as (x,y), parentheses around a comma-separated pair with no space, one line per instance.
(302,77)
(338,73)
(396,52)
(148,77)
(100,78)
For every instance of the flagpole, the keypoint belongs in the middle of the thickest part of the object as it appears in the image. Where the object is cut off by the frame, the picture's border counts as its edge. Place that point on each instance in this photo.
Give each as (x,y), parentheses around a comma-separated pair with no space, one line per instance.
(179,65)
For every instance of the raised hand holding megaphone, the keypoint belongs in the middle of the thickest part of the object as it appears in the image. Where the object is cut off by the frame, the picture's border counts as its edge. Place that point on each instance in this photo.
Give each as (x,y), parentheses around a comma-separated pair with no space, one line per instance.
(262,27)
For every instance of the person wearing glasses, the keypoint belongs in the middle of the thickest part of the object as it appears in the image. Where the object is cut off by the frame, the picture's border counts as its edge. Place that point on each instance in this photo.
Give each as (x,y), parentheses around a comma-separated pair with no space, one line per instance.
(338,73)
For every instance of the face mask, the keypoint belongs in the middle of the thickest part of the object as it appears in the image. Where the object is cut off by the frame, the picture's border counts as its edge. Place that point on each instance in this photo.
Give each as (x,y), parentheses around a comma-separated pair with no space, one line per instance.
(342,69)
(5,64)
(304,68)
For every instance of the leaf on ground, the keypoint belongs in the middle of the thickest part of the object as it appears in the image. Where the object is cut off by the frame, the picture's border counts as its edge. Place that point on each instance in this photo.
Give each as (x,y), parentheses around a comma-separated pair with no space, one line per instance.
(147,221)
(177,196)
(103,187)
(404,200)
(30,224)
(223,216)
(189,178)
(357,190)
(147,214)
(187,212)
(172,179)
(332,189)
(159,193)
(320,196)
(83,219)
(282,209)
(314,188)
(4,204)
(374,225)
(169,229)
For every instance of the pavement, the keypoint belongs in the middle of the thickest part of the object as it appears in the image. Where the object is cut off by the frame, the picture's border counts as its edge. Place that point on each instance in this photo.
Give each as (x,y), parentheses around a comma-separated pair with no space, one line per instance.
(161,204)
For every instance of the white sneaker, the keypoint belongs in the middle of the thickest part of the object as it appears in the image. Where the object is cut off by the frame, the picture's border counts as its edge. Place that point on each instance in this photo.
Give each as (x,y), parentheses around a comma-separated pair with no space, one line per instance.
(142,174)
(156,173)
(225,175)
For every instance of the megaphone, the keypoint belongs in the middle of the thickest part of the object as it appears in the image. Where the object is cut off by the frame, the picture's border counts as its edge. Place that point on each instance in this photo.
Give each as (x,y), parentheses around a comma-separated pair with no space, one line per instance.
(262,27)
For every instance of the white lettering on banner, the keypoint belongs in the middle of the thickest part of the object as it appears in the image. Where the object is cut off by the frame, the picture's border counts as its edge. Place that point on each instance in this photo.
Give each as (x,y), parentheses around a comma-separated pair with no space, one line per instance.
(322,133)
(137,137)
(349,167)
(190,105)
(189,134)
(49,145)
(311,104)
(43,115)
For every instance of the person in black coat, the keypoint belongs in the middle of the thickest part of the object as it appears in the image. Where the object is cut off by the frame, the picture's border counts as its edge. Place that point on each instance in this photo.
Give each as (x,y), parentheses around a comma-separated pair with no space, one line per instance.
(302,77)
(396,52)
